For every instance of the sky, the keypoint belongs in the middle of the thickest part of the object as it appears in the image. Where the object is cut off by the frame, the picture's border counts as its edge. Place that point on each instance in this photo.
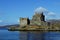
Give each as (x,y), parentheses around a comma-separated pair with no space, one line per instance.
(12,10)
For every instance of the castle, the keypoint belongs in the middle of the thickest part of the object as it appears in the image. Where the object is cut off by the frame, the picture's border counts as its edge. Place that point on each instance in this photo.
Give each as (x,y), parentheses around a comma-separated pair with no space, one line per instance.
(38,19)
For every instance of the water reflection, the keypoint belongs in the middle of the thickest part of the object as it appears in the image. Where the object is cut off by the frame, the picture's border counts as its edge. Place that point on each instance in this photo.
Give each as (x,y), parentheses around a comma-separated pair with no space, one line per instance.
(31,35)
(27,35)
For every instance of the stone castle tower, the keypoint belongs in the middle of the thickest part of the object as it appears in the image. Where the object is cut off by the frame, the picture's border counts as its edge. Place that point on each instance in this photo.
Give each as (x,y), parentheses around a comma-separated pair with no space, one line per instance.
(24,21)
(38,17)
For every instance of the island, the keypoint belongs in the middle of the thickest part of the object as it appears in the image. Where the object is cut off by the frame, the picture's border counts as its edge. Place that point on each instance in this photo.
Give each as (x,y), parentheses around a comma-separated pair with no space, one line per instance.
(37,23)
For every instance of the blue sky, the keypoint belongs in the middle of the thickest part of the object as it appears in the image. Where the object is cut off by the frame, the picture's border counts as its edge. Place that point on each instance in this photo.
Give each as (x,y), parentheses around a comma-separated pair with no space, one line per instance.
(12,10)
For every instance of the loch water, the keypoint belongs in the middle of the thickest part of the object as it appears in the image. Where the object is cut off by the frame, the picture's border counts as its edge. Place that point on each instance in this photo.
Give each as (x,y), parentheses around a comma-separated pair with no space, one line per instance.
(28,35)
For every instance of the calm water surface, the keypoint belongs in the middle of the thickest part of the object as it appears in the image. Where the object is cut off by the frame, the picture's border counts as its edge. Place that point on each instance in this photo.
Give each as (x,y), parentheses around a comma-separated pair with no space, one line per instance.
(15,35)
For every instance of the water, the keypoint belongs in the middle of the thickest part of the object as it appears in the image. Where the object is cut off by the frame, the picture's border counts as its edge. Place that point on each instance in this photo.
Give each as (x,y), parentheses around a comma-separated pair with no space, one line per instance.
(15,35)
(6,35)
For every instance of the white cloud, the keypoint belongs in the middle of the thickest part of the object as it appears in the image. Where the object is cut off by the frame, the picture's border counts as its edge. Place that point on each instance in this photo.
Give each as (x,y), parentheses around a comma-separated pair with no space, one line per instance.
(40,9)
(51,13)
(48,14)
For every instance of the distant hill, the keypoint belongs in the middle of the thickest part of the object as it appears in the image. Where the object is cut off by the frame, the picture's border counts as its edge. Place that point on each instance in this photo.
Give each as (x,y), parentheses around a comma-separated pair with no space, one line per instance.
(53,21)
(15,25)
